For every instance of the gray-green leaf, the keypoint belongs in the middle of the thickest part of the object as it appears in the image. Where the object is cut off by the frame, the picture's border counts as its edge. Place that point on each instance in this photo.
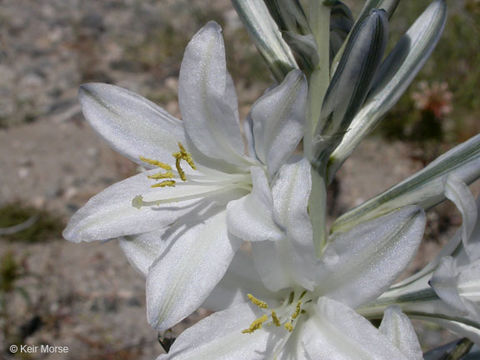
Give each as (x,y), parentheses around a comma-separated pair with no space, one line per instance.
(425,188)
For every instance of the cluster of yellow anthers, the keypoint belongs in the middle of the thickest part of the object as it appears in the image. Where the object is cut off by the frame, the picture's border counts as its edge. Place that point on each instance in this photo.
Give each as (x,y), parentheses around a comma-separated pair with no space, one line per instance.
(168,175)
(297,310)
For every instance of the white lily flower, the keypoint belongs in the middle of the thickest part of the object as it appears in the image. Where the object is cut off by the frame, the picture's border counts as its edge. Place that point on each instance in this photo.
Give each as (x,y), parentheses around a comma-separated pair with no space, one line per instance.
(176,212)
(456,279)
(284,303)
(447,290)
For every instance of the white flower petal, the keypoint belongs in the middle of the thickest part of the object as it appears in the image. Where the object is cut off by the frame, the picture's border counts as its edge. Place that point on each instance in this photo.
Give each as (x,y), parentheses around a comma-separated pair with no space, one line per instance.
(142,250)
(219,337)
(396,326)
(240,279)
(336,332)
(270,261)
(444,282)
(110,214)
(231,96)
(468,236)
(362,263)
(474,241)
(290,260)
(469,288)
(459,287)
(251,217)
(205,97)
(291,192)
(278,120)
(183,276)
(248,131)
(131,124)
(459,193)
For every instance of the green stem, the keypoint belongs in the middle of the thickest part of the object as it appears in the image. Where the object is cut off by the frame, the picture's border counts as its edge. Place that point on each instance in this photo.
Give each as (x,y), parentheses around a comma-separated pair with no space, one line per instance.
(319,21)
(317,206)
(375,309)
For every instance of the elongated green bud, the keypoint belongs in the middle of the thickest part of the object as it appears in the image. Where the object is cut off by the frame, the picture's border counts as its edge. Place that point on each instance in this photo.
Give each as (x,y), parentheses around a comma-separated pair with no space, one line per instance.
(267,36)
(394,76)
(350,84)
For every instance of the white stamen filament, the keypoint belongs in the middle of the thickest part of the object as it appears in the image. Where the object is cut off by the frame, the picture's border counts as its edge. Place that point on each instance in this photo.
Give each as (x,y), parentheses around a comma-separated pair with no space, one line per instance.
(138,201)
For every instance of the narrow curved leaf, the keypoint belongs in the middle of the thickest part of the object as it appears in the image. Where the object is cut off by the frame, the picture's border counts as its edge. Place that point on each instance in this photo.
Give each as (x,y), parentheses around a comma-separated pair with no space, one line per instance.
(425,188)
(394,76)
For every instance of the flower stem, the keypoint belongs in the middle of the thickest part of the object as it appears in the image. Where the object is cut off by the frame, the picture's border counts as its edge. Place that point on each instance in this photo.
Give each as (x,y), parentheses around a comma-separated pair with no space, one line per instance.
(318,212)
(319,21)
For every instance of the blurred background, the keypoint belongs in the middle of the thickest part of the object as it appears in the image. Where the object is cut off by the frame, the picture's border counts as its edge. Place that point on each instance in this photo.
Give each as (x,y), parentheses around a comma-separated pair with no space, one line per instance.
(86,296)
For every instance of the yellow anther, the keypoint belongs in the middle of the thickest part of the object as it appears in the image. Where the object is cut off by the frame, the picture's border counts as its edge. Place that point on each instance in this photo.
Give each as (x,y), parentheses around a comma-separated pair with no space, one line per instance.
(259,303)
(297,310)
(167,175)
(255,325)
(183,155)
(275,319)
(164,184)
(186,156)
(290,298)
(181,173)
(182,148)
(156,163)
(289,326)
